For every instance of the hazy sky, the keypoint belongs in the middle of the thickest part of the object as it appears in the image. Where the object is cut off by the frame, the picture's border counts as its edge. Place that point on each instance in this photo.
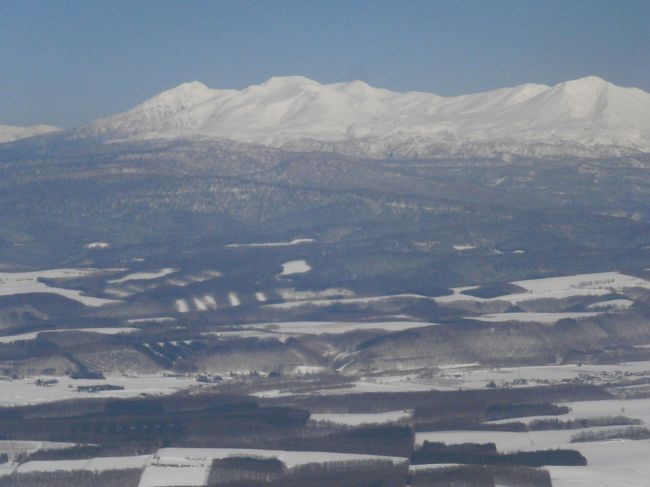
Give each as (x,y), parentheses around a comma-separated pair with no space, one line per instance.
(66,62)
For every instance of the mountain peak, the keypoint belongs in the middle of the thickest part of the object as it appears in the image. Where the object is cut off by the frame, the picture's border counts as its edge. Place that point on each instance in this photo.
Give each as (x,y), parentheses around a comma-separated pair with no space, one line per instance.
(189,89)
(587,84)
(298,113)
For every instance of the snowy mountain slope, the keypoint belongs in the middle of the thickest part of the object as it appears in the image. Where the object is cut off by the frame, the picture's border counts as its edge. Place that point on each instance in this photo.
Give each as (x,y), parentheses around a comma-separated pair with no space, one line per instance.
(588,116)
(9,133)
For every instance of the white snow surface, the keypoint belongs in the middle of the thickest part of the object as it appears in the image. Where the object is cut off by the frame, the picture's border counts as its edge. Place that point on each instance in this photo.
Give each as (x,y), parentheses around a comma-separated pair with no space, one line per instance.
(587,116)
(334,327)
(290,294)
(15,448)
(549,318)
(99,464)
(356,419)
(289,458)
(620,463)
(144,275)
(295,267)
(25,391)
(191,466)
(10,133)
(28,282)
(595,284)
(97,245)
(295,241)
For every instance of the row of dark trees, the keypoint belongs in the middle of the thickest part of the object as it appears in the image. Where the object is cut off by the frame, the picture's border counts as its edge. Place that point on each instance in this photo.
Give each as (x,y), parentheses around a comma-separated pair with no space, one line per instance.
(487,454)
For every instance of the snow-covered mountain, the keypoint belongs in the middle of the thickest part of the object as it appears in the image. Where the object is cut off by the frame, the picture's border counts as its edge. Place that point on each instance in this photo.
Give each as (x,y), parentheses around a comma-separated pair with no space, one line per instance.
(9,133)
(587,116)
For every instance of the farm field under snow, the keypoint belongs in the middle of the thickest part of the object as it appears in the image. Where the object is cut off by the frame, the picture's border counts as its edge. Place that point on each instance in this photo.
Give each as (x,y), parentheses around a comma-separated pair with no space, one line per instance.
(474,376)
(191,466)
(633,408)
(596,284)
(188,466)
(25,391)
(620,463)
(27,282)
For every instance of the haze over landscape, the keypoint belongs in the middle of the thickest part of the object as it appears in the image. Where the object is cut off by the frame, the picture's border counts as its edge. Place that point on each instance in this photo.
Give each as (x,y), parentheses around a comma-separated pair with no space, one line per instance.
(372,244)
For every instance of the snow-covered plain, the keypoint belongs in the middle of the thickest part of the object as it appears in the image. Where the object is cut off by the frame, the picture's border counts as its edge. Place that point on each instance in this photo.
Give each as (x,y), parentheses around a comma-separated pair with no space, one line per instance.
(587,116)
(619,463)
(191,466)
(596,284)
(616,463)
(289,458)
(27,282)
(25,391)
(507,441)
(633,408)
(475,376)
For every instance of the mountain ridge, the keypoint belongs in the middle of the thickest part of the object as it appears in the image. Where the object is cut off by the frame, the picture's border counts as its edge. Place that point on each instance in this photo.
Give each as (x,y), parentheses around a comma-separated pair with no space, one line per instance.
(587,117)
(10,133)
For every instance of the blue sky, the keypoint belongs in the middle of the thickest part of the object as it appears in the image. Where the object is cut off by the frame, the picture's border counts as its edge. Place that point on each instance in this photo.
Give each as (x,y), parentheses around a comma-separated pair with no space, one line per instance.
(66,62)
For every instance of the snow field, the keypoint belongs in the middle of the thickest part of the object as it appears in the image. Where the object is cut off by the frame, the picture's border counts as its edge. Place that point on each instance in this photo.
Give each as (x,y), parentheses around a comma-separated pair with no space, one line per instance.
(295,267)
(25,391)
(596,284)
(532,317)
(363,418)
(329,327)
(27,282)
(234,299)
(144,275)
(296,241)
(191,466)
(181,306)
(99,464)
